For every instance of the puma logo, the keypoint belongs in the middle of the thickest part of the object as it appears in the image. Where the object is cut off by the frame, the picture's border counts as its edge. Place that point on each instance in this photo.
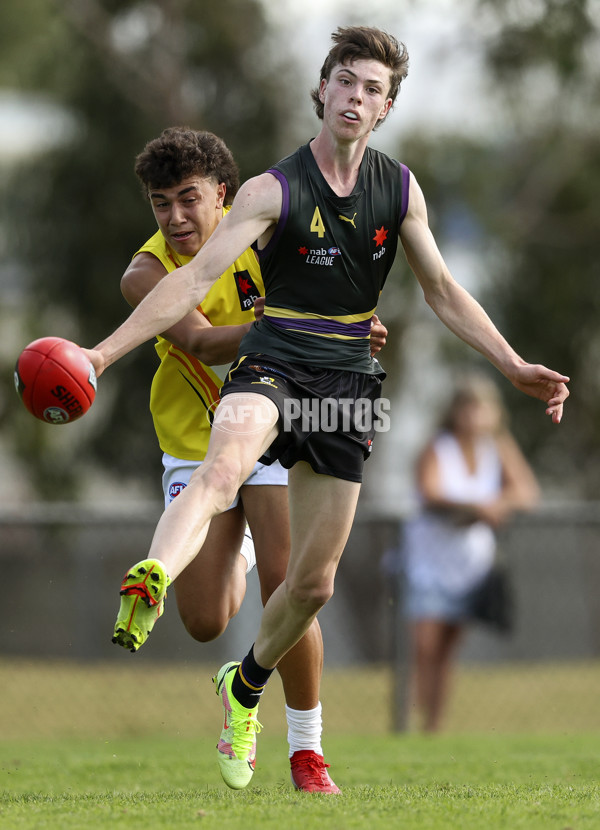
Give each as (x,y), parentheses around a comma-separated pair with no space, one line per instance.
(346,219)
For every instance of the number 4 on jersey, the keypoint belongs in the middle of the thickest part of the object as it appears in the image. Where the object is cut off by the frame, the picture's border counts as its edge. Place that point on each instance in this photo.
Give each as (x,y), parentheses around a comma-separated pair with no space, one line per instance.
(316,225)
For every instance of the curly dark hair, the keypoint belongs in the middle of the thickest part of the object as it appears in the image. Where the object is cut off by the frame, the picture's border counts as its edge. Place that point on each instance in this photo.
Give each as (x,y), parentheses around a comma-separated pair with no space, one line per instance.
(364,43)
(181,152)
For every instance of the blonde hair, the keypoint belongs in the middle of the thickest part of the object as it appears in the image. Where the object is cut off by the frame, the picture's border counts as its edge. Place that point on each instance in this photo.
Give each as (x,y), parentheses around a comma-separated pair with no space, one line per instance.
(474,388)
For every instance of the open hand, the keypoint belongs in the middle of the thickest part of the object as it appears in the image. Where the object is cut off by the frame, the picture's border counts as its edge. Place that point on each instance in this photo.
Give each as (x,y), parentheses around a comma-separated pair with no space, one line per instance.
(540,382)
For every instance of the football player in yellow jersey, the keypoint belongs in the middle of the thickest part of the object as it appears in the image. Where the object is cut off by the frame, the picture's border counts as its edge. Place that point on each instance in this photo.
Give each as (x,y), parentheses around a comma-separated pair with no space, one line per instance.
(190,178)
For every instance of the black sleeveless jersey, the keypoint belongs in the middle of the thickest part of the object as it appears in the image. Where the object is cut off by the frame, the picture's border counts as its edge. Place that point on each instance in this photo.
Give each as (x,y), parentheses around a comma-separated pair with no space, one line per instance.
(327,261)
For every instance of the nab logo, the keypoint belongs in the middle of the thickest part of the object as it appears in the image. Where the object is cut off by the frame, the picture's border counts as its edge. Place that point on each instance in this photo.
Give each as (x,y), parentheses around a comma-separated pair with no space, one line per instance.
(247,290)
(175,489)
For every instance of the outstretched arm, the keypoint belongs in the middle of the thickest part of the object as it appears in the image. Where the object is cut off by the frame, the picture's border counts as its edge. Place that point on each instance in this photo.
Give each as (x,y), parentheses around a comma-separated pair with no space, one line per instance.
(213,345)
(464,316)
(255,209)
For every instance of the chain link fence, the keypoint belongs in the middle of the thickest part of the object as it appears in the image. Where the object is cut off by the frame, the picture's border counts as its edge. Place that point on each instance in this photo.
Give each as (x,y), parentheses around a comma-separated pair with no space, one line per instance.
(61,675)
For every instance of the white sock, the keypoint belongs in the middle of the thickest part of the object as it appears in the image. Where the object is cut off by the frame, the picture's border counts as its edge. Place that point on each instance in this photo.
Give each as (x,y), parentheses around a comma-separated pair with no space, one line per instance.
(247,550)
(304,729)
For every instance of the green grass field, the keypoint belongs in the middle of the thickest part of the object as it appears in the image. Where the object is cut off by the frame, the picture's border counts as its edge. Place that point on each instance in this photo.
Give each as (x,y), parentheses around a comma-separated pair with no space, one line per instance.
(61,699)
(86,746)
(389,781)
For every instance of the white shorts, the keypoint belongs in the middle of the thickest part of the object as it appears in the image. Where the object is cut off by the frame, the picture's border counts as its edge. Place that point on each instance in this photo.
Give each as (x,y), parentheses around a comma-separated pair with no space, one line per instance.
(178,472)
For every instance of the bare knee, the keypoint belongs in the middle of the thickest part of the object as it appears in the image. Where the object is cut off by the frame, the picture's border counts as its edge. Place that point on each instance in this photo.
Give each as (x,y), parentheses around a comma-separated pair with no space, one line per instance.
(310,594)
(270,580)
(204,628)
(433,639)
(206,618)
(221,478)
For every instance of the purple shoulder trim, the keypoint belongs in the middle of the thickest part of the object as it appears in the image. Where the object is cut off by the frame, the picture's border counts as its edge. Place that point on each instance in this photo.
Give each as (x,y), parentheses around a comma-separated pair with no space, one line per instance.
(283,216)
(405,186)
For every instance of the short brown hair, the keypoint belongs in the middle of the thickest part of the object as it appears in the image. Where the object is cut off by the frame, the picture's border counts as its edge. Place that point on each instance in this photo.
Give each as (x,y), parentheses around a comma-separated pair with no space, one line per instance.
(364,43)
(181,152)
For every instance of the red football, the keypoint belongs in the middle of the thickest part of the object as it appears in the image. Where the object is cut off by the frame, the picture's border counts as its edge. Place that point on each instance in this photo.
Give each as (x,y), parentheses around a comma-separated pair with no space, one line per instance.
(55,380)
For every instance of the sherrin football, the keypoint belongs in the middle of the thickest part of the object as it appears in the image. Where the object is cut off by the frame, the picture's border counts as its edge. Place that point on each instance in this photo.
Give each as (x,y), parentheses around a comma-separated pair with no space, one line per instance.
(55,380)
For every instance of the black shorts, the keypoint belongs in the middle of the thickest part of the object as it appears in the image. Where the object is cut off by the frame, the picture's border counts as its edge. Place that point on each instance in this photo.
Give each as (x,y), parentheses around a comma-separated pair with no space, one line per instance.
(327,417)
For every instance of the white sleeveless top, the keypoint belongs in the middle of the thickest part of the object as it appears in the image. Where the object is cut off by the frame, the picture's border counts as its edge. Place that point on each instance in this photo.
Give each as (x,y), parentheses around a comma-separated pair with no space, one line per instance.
(439,554)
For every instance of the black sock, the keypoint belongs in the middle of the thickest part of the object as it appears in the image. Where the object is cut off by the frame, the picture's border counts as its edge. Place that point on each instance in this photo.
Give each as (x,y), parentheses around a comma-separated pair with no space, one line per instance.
(249,681)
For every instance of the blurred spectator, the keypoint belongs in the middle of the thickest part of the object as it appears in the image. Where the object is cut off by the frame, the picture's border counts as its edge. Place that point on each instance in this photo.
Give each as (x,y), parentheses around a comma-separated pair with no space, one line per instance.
(470,478)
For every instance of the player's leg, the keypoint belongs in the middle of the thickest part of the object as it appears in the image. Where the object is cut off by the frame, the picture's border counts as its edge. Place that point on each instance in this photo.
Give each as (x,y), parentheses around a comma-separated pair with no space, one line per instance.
(238,439)
(321,513)
(210,591)
(240,435)
(322,510)
(266,508)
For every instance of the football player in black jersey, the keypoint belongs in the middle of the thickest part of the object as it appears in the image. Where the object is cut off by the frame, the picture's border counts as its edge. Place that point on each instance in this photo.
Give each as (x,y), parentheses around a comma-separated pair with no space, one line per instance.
(313,213)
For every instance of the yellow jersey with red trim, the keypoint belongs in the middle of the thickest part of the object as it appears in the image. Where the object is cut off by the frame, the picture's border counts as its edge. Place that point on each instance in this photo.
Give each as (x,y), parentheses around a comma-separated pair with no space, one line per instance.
(185,391)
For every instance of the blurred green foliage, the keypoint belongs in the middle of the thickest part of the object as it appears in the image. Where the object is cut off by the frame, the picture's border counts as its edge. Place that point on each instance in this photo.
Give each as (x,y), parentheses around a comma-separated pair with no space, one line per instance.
(539,205)
(523,198)
(122,70)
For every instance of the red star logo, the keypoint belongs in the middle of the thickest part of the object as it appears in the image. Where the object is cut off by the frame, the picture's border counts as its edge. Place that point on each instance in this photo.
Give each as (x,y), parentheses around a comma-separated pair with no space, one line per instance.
(303,250)
(244,285)
(380,236)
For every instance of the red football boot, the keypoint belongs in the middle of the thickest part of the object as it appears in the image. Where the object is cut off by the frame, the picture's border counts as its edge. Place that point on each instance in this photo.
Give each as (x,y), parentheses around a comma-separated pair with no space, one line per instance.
(309,773)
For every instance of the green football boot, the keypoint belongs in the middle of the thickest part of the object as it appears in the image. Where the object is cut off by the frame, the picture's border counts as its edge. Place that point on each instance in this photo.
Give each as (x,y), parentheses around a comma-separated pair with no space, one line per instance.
(143,594)
(236,749)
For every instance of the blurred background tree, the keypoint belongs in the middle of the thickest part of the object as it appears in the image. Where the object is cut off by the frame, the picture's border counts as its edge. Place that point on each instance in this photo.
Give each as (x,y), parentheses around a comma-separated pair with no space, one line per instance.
(119,71)
(518,200)
(540,207)
(522,201)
